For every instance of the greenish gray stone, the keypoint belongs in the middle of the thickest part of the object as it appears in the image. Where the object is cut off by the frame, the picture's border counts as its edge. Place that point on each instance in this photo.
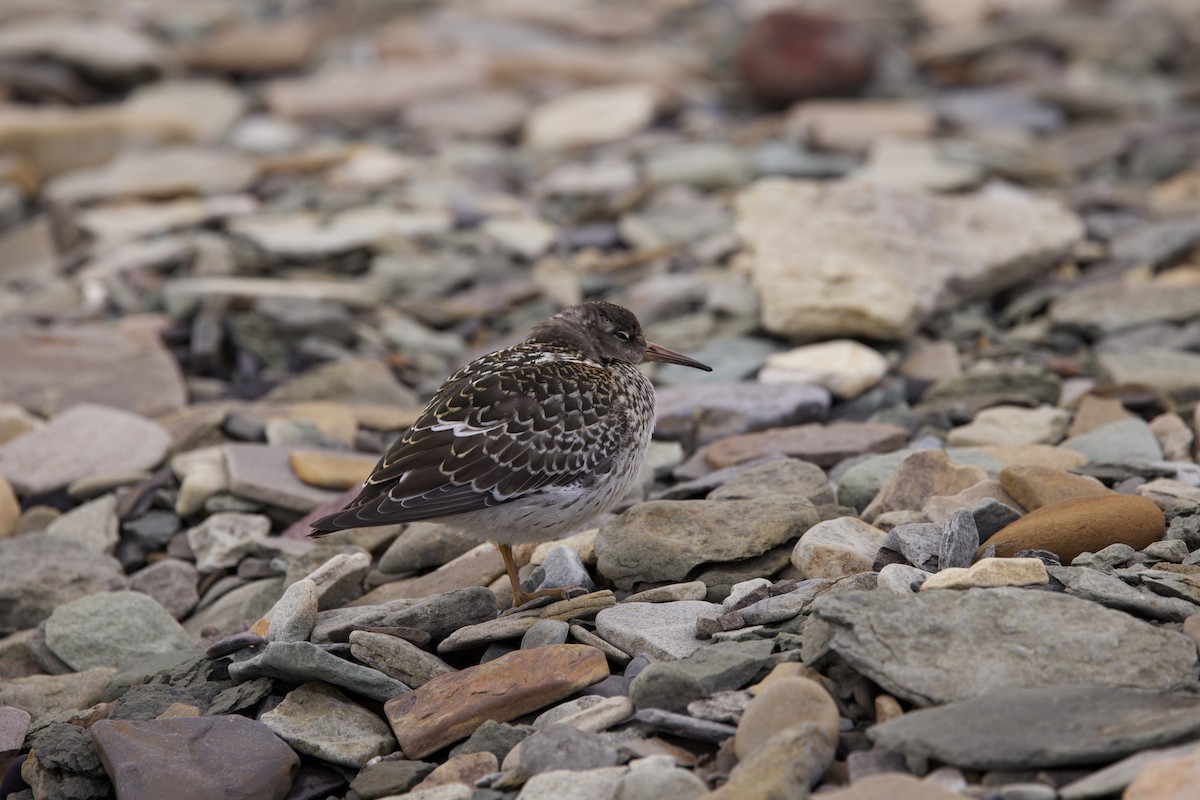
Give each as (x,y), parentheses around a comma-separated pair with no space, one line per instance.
(1125,440)
(300,662)
(110,629)
(715,668)
(319,721)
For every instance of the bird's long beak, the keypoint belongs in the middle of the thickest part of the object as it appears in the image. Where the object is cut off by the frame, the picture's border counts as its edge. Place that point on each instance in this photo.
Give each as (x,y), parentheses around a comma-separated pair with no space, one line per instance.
(656,352)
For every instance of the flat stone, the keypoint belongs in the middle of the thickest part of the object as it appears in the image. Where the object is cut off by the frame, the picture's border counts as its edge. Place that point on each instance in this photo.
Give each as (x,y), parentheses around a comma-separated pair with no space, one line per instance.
(987,385)
(1168,494)
(1109,590)
(823,445)
(836,548)
(84,440)
(38,574)
(329,470)
(479,566)
(319,721)
(902,643)
(422,545)
(48,371)
(449,707)
(387,777)
(988,573)
(263,473)
(844,367)
(1174,436)
(673,685)
(778,476)
(816,252)
(663,631)
(1083,524)
(705,413)
(919,477)
(997,730)
(480,114)
(464,769)
(1168,779)
(45,695)
(193,758)
(93,525)
(854,125)
(664,540)
(397,658)
(1034,486)
(788,765)
(1170,372)
(1012,425)
(280,45)
(891,786)
(1095,412)
(592,784)
(1112,779)
(353,91)
(299,662)
(164,172)
(591,116)
(692,590)
(109,629)
(1116,442)
(916,164)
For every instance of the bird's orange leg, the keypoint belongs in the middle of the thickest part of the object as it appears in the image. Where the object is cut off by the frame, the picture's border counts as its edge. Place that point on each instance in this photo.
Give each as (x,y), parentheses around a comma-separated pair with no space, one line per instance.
(520,596)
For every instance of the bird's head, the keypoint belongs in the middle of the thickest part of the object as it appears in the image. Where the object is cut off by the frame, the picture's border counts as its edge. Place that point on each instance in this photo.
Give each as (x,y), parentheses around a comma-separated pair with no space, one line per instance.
(606,332)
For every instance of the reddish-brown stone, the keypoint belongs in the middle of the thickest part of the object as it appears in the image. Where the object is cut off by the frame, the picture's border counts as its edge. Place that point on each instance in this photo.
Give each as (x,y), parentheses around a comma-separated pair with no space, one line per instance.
(450,707)
(1080,525)
(823,445)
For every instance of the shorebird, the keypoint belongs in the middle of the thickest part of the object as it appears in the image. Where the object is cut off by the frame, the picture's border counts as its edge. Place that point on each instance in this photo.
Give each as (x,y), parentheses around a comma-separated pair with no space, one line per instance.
(527,443)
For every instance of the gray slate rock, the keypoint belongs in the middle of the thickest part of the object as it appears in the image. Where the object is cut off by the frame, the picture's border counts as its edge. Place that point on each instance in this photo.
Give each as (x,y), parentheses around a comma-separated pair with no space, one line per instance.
(719,667)
(300,662)
(663,631)
(51,457)
(960,540)
(224,539)
(423,545)
(939,647)
(397,658)
(917,543)
(564,747)
(93,525)
(991,515)
(789,477)
(319,721)
(562,569)
(38,574)
(1125,440)
(701,413)
(109,629)
(545,632)
(293,617)
(1042,728)
(664,540)
(263,473)
(1111,591)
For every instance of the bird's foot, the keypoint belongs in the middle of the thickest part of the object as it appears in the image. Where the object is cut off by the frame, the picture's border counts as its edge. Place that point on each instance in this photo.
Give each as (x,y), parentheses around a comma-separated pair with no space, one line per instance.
(521,597)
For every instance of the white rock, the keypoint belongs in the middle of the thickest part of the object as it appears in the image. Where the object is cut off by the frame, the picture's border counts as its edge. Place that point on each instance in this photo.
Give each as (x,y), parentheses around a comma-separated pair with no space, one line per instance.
(224,538)
(836,548)
(663,631)
(844,367)
(858,259)
(988,573)
(591,116)
(528,237)
(1012,425)
(916,164)
(852,125)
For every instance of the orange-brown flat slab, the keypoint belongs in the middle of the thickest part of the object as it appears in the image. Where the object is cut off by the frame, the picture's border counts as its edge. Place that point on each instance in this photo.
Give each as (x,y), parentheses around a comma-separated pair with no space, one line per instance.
(450,707)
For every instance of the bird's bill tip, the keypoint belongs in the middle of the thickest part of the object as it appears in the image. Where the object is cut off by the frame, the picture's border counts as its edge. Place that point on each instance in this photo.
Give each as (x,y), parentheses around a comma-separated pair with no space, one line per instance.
(656,352)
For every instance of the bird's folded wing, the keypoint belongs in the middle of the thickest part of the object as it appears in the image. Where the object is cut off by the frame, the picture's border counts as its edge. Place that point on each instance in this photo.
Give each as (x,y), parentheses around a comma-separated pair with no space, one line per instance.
(483,441)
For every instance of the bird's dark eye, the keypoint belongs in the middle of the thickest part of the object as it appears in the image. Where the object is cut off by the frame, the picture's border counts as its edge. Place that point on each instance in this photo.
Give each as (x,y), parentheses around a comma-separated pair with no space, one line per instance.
(622,335)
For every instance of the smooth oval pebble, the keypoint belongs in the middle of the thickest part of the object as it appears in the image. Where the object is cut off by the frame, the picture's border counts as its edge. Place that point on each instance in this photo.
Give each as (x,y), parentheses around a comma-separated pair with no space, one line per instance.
(1082,524)
(781,704)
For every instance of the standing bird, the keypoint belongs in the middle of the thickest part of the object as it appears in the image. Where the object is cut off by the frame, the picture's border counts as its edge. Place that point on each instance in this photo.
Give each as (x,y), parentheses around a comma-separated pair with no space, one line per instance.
(526,443)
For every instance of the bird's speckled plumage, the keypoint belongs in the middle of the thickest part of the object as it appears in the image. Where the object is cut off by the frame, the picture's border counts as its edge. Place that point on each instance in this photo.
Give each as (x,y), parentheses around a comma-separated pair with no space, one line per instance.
(526,443)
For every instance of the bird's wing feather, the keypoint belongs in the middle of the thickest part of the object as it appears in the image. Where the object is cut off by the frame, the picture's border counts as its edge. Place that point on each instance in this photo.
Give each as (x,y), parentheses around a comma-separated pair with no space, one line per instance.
(489,437)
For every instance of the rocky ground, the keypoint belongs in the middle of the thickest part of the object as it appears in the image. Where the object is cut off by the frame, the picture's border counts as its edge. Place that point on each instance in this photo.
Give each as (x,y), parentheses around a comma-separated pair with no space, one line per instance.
(930,529)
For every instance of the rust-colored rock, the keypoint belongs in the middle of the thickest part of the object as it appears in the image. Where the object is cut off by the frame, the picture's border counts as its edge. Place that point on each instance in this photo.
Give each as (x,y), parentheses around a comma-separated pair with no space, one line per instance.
(1082,524)
(450,707)
(1034,486)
